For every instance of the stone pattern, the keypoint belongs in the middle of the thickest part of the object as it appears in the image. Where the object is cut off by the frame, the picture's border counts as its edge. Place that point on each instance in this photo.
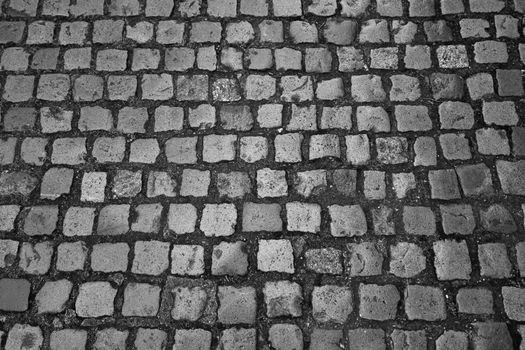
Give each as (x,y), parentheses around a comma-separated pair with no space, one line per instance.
(262,174)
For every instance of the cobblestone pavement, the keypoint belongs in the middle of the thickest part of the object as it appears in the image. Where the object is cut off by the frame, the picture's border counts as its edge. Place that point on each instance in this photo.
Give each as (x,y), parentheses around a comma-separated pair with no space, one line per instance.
(262,174)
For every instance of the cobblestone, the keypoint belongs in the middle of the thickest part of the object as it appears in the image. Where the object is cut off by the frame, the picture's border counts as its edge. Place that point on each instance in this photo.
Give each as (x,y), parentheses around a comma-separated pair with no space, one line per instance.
(225,165)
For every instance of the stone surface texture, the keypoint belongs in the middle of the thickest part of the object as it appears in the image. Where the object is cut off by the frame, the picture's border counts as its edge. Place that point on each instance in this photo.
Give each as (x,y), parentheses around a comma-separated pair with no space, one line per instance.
(262,174)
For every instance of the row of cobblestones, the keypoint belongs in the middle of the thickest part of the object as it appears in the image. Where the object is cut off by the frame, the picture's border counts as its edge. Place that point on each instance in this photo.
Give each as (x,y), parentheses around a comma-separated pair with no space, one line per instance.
(262,174)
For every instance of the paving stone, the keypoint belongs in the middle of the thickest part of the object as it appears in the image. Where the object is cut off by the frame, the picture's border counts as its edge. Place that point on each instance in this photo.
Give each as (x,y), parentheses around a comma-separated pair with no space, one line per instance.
(151,257)
(330,89)
(95,299)
(493,260)
(195,183)
(15,294)
(404,31)
(456,115)
(24,336)
(344,180)
(336,118)
(238,338)
(392,150)
(77,58)
(150,339)
(357,149)
(424,303)
(403,183)
(500,113)
(457,219)
(8,252)
(366,338)
(404,88)
(378,302)
(474,28)
(111,60)
(254,8)
(363,259)
(239,32)
(12,31)
(518,137)
(324,260)
(147,218)
(506,26)
(421,8)
(187,260)
(88,88)
(157,86)
(347,221)
(367,88)
(190,300)
(443,184)
(109,257)
(237,305)
(110,338)
(141,32)
(283,298)
(113,220)
(384,58)
(412,118)
(275,255)
(419,220)
(53,296)
(350,59)
(455,146)
(253,149)
(189,8)
(475,301)
(141,299)
(303,217)
(218,148)
(510,82)
(389,8)
(260,59)
(233,185)
(417,57)
(18,88)
(407,260)
(452,260)
(475,179)
(302,118)
(490,51)
(74,339)
(310,183)
(329,339)
(374,184)
(261,217)
(192,339)
(408,340)
(331,303)
(14,59)
(340,32)
(78,221)
(296,89)
(446,86)
(107,31)
(218,219)
(488,6)
(8,216)
(497,218)
(437,31)
(485,334)
(285,336)
(229,259)
(71,256)
(452,340)
(93,187)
